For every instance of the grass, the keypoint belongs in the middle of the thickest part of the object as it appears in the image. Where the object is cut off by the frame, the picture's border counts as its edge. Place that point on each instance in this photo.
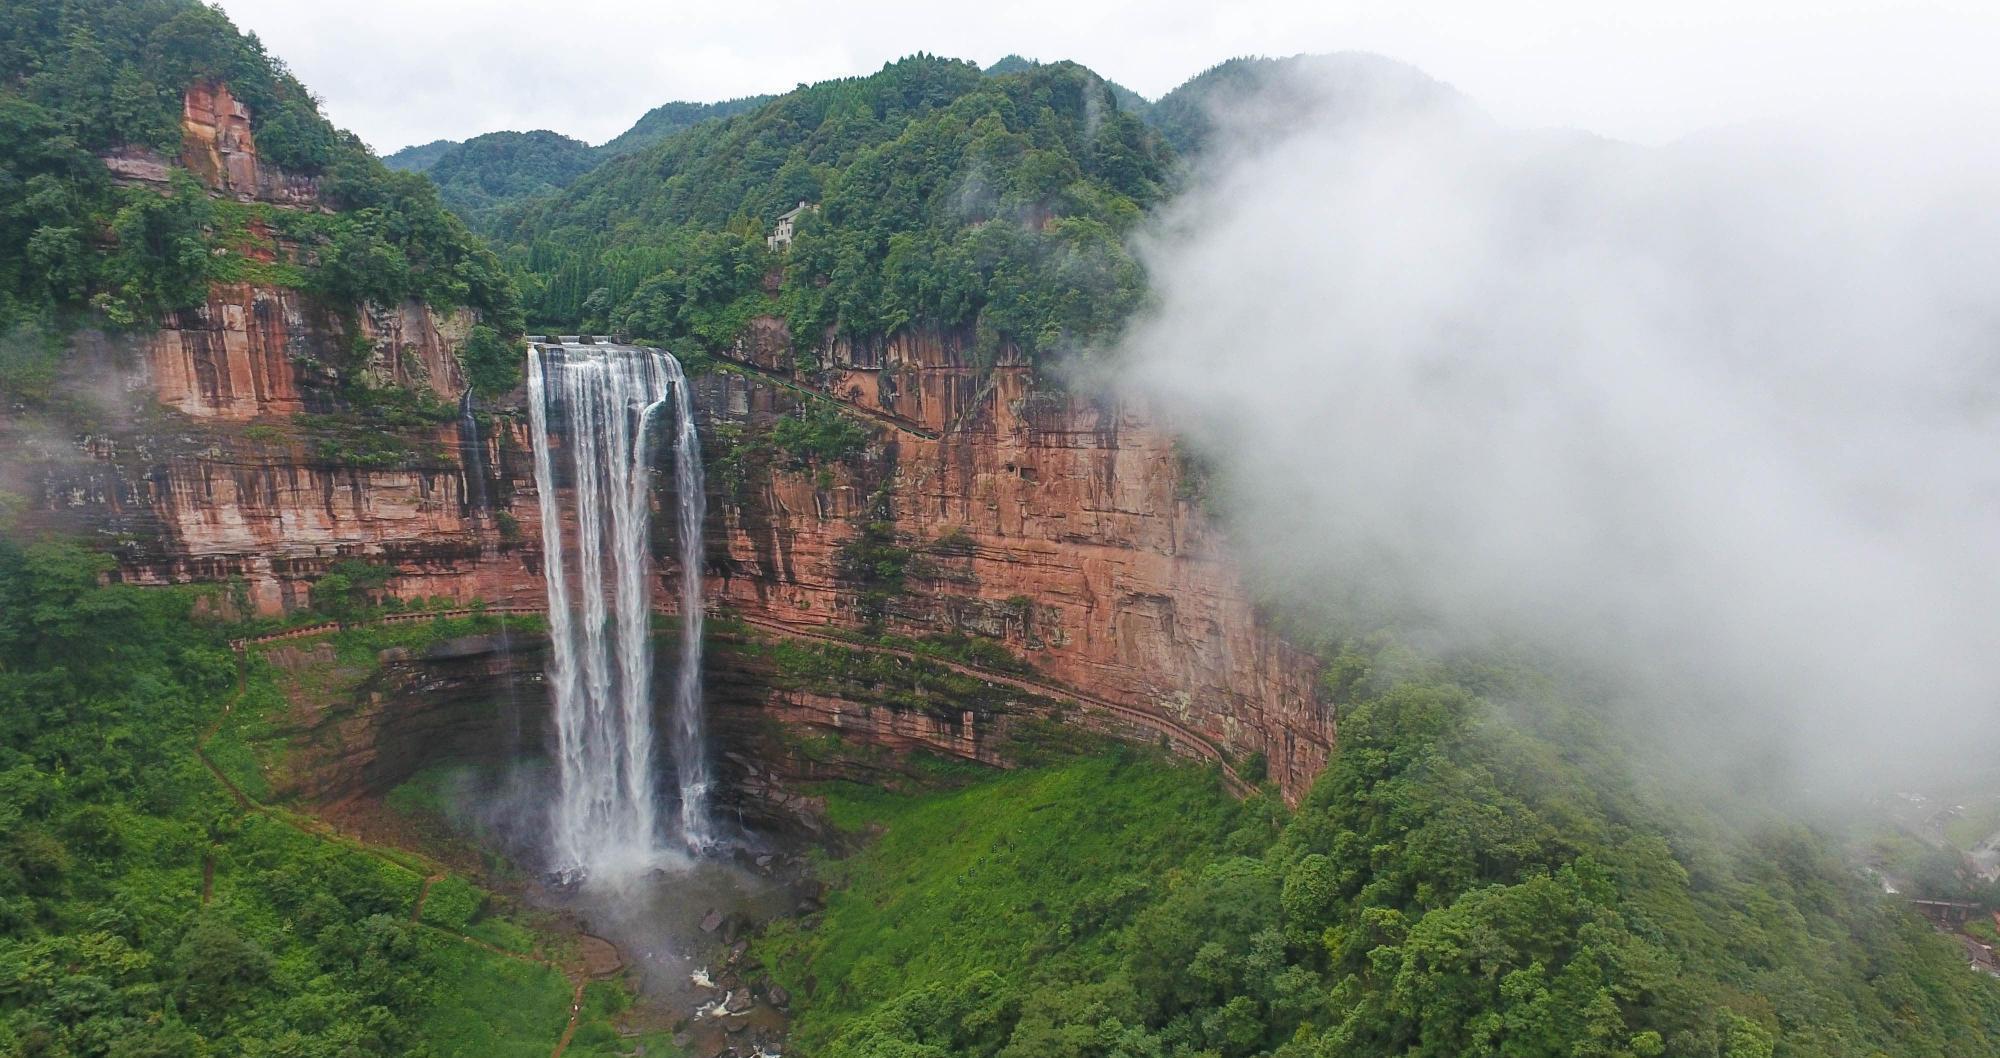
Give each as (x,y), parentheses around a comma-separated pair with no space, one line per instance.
(1027,872)
(1981,819)
(491,1006)
(597,1034)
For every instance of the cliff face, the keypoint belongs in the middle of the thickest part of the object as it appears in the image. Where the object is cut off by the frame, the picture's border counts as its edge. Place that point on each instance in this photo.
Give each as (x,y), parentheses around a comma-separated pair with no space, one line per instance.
(218,148)
(219,445)
(1047,522)
(1005,525)
(254,352)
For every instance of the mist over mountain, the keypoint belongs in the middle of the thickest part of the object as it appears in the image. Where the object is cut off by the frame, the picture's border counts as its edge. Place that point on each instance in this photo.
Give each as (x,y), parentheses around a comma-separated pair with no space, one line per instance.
(1710,417)
(1003,569)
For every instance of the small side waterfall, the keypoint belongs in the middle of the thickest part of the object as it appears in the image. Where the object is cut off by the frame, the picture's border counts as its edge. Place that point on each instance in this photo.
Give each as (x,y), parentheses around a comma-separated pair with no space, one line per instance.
(690,740)
(479,507)
(600,665)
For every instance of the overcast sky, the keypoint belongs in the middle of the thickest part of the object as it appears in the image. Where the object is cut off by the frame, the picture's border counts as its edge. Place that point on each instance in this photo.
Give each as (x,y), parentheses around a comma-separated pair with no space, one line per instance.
(409,71)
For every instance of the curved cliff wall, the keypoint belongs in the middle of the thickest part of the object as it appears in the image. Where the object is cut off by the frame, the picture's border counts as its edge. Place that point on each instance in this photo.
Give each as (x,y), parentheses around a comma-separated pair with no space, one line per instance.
(1044,524)
(1049,523)
(1036,540)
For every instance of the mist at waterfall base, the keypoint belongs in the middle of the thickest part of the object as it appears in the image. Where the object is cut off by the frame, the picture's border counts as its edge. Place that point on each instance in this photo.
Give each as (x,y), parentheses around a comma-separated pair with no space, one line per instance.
(1715,421)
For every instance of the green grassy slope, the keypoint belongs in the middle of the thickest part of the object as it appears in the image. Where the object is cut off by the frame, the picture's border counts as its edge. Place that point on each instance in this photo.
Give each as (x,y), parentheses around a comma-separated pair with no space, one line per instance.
(1460,883)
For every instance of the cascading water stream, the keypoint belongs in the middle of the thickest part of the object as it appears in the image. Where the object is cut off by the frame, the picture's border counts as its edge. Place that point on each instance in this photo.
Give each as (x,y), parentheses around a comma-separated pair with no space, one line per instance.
(690,740)
(600,666)
(480,507)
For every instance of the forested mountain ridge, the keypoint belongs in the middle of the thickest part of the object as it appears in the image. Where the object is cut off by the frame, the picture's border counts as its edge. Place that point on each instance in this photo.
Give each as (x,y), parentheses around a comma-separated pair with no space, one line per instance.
(1256,95)
(479,176)
(486,173)
(941,196)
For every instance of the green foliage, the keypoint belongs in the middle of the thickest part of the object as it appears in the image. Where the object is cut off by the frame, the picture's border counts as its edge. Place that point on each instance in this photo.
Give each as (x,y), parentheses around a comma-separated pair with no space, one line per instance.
(452,902)
(93,77)
(349,589)
(970,895)
(877,561)
(381,427)
(477,177)
(481,176)
(142,912)
(1457,884)
(420,157)
(992,205)
(672,119)
(818,432)
(493,365)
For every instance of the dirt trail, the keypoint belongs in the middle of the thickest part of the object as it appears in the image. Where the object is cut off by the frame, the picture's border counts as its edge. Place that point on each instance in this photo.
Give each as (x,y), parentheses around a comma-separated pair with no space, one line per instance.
(423,890)
(575,1015)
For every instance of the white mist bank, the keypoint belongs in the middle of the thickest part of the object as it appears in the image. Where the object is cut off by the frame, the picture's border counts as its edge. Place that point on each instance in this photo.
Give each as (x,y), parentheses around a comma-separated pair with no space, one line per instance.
(1719,418)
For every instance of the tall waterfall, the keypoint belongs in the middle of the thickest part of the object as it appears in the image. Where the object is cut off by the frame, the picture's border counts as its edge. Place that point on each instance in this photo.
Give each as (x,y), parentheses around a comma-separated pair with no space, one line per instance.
(600,665)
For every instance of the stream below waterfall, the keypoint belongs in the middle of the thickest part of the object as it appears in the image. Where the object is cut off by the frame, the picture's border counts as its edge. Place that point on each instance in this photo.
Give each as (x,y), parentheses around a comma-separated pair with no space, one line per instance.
(679,929)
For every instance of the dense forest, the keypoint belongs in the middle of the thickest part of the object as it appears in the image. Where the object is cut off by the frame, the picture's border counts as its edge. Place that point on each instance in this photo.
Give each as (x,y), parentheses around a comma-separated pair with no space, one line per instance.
(993,205)
(85,79)
(478,177)
(1480,872)
(149,909)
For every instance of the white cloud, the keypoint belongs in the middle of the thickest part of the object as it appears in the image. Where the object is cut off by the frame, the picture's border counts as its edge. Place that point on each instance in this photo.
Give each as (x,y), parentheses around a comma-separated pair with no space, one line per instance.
(404,71)
(1717,417)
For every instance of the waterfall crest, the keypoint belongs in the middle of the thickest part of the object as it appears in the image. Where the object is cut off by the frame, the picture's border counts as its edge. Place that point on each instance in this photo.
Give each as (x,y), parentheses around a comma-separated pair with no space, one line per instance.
(601,403)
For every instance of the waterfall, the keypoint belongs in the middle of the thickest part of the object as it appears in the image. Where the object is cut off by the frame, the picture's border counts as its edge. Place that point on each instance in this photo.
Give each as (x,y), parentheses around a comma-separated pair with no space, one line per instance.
(600,665)
(480,509)
(690,741)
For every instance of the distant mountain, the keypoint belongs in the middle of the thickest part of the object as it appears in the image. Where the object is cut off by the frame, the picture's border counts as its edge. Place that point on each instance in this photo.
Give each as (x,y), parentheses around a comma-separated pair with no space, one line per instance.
(1128,101)
(993,206)
(1272,94)
(669,118)
(486,173)
(419,158)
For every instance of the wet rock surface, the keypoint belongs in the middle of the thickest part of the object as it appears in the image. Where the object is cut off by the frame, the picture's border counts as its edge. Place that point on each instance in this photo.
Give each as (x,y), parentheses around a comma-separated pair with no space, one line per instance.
(681,932)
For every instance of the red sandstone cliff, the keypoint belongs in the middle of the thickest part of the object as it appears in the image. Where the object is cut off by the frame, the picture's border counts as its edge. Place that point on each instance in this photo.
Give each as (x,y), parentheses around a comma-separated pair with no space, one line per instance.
(1050,522)
(1047,522)
(218,148)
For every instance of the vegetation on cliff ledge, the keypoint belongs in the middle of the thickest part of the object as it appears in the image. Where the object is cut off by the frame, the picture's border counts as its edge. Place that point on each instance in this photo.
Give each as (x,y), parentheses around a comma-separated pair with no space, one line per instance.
(91,79)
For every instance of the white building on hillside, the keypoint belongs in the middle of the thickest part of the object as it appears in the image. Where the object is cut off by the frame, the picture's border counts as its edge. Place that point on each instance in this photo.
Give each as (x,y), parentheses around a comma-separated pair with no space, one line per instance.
(781,235)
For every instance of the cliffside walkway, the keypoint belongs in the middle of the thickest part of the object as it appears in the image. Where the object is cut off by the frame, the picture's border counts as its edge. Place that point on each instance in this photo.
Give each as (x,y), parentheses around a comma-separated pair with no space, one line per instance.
(886,419)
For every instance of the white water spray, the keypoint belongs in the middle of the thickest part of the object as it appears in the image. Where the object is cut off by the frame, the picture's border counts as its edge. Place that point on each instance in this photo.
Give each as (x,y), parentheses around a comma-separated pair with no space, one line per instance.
(600,665)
